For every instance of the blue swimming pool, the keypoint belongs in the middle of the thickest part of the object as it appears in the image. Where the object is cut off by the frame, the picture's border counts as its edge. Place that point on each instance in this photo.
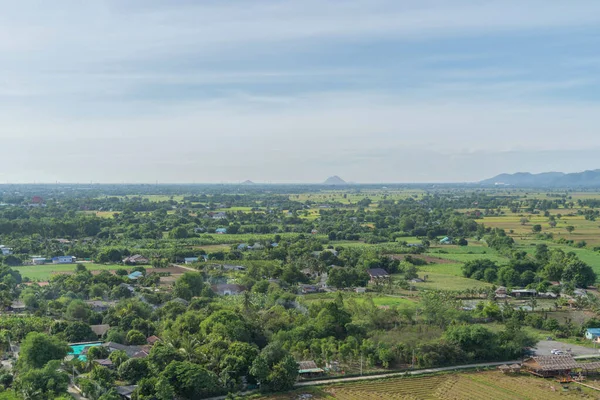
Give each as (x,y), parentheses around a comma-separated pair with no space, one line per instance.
(78,349)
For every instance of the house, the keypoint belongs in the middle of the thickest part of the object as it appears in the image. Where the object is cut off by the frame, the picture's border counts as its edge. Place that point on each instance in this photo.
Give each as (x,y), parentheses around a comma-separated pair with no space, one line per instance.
(305,289)
(100,330)
(230,267)
(274,244)
(100,305)
(360,290)
(221,231)
(242,246)
(127,286)
(152,340)
(17,306)
(377,274)
(135,275)
(6,251)
(524,292)
(226,289)
(309,369)
(256,246)
(181,301)
(105,363)
(38,260)
(501,292)
(219,215)
(550,366)
(547,366)
(446,240)
(592,333)
(126,391)
(136,259)
(190,260)
(314,232)
(129,350)
(63,260)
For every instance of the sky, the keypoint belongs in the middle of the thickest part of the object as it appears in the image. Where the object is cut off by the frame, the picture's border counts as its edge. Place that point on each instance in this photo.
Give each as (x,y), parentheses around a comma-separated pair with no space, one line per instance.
(204,91)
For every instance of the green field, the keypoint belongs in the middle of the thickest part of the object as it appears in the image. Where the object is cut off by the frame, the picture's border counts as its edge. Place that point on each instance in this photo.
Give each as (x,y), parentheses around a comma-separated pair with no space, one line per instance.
(44,272)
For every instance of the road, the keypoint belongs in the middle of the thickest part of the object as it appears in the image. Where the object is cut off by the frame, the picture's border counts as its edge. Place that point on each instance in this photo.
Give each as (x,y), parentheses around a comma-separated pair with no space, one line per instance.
(395,374)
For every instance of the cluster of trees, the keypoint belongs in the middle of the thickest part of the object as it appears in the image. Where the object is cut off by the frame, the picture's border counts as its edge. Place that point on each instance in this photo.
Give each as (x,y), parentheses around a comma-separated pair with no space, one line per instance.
(547,265)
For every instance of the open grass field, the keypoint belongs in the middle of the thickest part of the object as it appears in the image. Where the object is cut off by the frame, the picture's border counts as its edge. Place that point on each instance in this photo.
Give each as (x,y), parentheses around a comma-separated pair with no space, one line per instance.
(44,272)
(490,385)
(448,281)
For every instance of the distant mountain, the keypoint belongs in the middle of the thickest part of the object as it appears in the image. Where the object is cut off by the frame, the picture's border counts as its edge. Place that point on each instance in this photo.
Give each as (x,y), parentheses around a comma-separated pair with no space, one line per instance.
(334,180)
(546,179)
(247,182)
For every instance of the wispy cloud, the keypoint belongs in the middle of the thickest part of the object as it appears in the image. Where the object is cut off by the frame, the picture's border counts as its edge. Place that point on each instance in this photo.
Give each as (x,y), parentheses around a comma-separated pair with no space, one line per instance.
(289,90)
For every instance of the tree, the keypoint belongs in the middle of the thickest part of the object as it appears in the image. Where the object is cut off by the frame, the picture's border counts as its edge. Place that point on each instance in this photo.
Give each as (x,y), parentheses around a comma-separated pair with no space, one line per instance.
(77,309)
(275,369)
(191,381)
(134,369)
(570,228)
(43,383)
(98,353)
(118,357)
(38,349)
(162,355)
(579,273)
(79,332)
(537,228)
(135,337)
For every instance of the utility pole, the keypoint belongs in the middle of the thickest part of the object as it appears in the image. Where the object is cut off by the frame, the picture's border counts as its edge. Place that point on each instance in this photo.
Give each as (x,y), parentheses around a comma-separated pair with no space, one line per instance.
(412,366)
(361,363)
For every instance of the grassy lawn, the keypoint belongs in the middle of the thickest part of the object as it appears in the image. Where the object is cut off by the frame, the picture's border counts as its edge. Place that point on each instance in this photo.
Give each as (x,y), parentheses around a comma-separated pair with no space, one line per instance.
(442,281)
(44,272)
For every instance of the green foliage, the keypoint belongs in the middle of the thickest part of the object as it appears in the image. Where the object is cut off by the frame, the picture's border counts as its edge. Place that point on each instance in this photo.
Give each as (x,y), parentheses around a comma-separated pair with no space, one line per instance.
(133,369)
(38,349)
(191,381)
(44,383)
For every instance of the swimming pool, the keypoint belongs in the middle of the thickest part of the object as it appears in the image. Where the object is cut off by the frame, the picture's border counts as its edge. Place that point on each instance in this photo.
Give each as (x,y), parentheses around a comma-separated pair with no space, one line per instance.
(79,347)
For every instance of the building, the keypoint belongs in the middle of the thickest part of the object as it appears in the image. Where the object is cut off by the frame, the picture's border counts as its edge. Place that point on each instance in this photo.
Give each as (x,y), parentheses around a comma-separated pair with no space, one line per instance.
(221,231)
(360,290)
(309,369)
(230,267)
(100,305)
(549,366)
(6,251)
(38,260)
(305,289)
(152,340)
(126,391)
(559,366)
(219,215)
(63,260)
(100,330)
(136,259)
(377,274)
(446,240)
(226,289)
(135,275)
(592,333)
(190,260)
(524,292)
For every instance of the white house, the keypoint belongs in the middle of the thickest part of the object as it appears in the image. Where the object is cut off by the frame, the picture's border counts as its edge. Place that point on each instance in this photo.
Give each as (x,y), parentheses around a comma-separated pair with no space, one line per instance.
(63,260)
(190,260)
(6,251)
(38,260)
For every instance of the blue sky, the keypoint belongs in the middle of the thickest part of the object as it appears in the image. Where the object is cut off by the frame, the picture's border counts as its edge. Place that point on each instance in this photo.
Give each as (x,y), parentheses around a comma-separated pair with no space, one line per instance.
(295,91)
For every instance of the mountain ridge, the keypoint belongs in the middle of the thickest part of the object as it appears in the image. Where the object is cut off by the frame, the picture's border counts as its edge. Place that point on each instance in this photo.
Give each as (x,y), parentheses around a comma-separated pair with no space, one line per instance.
(588,178)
